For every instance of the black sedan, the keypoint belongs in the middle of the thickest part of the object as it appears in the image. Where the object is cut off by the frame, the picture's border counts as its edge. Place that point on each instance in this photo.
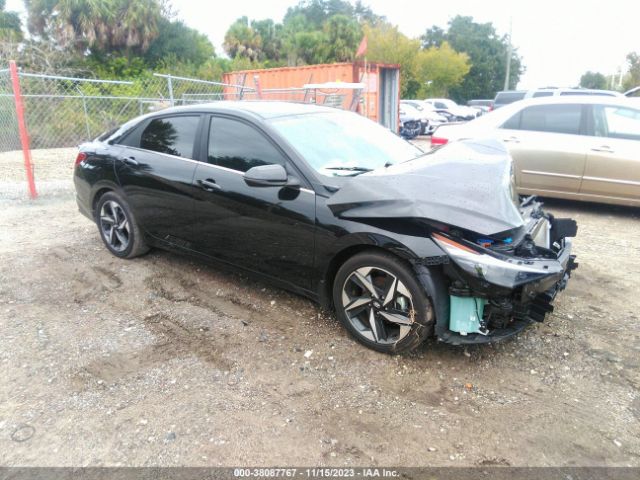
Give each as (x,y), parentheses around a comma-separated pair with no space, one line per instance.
(403,244)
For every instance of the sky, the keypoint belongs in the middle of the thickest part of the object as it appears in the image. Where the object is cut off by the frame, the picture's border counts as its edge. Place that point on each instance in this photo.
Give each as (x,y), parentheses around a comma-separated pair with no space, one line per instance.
(559,40)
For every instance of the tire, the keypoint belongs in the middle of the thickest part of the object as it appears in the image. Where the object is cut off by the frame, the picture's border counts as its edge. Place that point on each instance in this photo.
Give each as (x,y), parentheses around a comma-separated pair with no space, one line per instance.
(118,228)
(401,321)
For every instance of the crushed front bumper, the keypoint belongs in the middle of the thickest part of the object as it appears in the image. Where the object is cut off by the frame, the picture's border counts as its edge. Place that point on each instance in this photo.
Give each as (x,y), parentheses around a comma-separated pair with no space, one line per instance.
(512,291)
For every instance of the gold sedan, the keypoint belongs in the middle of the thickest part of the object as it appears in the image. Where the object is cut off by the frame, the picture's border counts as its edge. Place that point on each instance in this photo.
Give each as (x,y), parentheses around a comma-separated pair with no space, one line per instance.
(579,147)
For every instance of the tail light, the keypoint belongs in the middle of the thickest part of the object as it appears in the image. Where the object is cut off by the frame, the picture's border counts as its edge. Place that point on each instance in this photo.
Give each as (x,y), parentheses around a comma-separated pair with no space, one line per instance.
(435,141)
(80,158)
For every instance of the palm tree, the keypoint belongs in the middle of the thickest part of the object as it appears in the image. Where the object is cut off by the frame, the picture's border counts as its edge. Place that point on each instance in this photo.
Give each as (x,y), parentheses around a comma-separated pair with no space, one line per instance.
(104,25)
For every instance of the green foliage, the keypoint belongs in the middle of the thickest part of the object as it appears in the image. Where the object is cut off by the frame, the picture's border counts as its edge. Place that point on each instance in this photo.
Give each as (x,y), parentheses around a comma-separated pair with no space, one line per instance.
(441,68)
(632,78)
(270,34)
(342,34)
(178,43)
(10,25)
(386,44)
(241,40)
(313,31)
(96,25)
(593,80)
(487,52)
(423,73)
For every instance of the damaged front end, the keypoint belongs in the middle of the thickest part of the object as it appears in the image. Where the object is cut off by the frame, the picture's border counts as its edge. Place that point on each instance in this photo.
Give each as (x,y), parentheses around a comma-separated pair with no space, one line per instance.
(503,261)
(499,284)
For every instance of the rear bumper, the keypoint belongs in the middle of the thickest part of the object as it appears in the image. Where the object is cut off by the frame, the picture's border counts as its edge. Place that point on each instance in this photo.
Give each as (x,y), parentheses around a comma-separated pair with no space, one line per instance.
(83,208)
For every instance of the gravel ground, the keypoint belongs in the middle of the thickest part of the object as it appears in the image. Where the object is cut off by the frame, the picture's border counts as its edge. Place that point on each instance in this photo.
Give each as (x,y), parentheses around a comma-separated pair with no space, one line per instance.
(52,170)
(164,361)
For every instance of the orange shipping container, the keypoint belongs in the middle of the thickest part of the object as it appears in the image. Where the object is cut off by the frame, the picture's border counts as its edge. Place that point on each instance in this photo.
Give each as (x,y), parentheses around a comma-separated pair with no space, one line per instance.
(379,100)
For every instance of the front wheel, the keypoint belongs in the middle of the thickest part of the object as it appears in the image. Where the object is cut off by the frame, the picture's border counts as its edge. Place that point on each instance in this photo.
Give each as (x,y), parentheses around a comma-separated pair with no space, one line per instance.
(381,303)
(118,227)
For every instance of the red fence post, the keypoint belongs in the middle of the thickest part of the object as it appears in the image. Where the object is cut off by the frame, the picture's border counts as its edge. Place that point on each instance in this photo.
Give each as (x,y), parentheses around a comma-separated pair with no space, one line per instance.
(22,127)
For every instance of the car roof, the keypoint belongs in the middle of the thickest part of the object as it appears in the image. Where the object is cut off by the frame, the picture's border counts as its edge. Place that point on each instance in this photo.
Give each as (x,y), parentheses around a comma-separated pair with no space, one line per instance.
(575,99)
(260,108)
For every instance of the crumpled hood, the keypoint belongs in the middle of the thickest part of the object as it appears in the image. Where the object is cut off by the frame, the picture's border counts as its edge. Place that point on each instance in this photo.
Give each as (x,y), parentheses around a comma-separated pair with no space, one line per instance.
(464,184)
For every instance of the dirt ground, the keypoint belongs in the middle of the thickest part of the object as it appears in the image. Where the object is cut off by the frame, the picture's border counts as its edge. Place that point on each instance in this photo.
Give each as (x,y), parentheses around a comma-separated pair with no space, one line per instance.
(164,361)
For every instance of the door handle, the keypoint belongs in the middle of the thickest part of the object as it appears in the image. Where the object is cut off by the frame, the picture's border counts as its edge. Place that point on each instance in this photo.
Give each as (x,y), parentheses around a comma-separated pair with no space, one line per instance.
(209,185)
(131,161)
(603,148)
(511,140)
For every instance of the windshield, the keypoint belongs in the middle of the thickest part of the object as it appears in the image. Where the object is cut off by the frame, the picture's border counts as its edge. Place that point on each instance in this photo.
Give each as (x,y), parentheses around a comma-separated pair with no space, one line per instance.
(344,143)
(417,106)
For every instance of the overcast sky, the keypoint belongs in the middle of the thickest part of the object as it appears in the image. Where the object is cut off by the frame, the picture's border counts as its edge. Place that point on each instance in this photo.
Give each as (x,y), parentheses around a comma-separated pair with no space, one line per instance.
(559,40)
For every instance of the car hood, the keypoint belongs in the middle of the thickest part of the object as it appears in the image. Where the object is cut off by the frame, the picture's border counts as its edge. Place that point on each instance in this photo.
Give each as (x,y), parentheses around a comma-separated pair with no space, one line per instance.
(465,184)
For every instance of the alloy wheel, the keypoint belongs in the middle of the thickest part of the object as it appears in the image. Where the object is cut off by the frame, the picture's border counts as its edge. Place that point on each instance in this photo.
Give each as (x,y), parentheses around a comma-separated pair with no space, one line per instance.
(378,305)
(114,226)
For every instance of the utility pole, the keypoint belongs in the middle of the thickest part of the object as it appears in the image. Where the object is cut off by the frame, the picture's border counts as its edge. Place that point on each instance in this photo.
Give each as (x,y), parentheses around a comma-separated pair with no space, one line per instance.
(509,54)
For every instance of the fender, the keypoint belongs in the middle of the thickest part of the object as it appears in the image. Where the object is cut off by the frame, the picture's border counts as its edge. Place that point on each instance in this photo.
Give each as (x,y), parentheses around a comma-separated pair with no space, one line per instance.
(412,248)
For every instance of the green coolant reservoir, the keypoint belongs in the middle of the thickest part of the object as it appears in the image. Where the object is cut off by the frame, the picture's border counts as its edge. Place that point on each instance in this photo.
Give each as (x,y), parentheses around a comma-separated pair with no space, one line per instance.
(466,314)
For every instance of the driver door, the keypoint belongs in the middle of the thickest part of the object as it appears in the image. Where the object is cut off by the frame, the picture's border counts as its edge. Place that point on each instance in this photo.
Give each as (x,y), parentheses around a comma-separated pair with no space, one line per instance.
(269,230)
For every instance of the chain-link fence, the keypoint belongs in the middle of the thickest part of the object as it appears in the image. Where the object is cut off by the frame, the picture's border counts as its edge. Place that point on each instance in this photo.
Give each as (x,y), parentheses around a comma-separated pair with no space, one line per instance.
(65,111)
(62,112)
(9,139)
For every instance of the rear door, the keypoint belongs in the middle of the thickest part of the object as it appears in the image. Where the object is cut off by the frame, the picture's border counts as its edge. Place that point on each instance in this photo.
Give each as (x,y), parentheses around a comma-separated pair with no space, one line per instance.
(156,171)
(269,230)
(613,159)
(548,148)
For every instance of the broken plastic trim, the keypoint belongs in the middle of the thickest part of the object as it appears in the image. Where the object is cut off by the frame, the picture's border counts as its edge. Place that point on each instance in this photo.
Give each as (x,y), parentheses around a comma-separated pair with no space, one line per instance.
(508,273)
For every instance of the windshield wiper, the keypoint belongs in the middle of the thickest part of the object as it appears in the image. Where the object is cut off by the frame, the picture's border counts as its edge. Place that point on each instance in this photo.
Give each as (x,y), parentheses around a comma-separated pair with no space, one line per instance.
(351,169)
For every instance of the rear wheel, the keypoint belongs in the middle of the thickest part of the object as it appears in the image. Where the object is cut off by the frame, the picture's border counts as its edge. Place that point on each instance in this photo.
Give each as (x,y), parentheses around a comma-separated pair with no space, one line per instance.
(381,303)
(118,228)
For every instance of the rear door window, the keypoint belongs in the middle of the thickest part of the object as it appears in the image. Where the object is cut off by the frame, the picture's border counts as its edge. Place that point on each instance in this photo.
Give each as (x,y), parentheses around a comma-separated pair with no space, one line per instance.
(616,122)
(552,118)
(171,135)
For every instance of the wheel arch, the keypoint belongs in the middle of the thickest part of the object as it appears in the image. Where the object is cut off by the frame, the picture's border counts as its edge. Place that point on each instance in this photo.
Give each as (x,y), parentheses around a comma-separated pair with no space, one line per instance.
(353,245)
(98,190)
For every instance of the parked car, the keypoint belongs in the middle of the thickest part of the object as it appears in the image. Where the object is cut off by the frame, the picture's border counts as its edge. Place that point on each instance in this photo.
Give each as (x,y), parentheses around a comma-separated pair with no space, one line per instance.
(428,112)
(408,110)
(410,124)
(484,106)
(451,109)
(509,96)
(577,147)
(506,97)
(633,92)
(402,243)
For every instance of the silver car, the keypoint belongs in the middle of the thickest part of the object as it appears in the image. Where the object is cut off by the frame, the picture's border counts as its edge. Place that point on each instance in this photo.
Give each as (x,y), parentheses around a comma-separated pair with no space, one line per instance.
(579,147)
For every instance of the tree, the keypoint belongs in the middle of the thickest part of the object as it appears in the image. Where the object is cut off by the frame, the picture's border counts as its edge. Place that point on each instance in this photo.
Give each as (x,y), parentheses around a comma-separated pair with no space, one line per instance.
(632,79)
(342,36)
(270,38)
(97,25)
(10,25)
(593,80)
(242,41)
(317,12)
(178,43)
(487,52)
(387,44)
(431,71)
(441,69)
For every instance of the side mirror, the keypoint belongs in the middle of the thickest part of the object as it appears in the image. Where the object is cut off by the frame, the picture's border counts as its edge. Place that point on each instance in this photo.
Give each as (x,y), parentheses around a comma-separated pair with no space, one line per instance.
(269,176)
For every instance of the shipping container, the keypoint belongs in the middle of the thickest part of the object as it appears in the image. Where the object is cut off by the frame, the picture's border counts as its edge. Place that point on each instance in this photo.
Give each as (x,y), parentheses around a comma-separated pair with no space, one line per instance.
(379,99)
